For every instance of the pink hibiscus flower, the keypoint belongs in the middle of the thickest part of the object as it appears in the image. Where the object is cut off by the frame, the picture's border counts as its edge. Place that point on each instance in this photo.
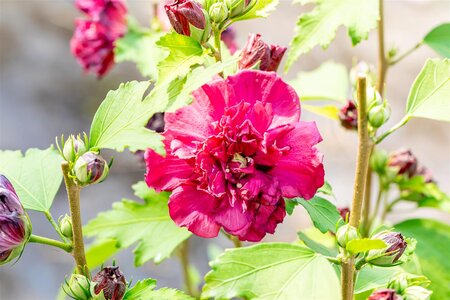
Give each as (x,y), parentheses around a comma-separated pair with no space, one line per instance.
(234,153)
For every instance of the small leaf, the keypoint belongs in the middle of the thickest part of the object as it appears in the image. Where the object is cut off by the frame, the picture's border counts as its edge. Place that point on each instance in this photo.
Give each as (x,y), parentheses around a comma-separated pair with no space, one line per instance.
(363,245)
(36,176)
(326,189)
(439,39)
(322,212)
(152,228)
(430,93)
(319,242)
(145,290)
(327,111)
(271,271)
(261,9)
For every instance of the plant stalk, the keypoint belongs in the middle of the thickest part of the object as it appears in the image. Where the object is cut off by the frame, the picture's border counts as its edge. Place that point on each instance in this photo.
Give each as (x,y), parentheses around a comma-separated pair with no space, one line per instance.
(217,36)
(73,195)
(401,57)
(367,198)
(184,259)
(382,61)
(50,242)
(49,217)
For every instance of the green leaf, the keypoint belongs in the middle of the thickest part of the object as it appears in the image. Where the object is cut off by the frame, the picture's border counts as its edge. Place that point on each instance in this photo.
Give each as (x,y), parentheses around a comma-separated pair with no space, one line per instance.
(328,82)
(326,189)
(261,9)
(36,176)
(139,46)
(120,120)
(323,213)
(145,290)
(152,229)
(327,111)
(322,243)
(319,26)
(433,242)
(271,271)
(430,93)
(370,278)
(439,39)
(99,252)
(362,245)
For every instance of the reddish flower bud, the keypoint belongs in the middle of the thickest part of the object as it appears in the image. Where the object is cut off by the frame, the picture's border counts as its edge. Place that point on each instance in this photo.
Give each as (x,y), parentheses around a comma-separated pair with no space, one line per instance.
(425,172)
(388,256)
(344,212)
(257,51)
(404,161)
(91,168)
(384,294)
(15,227)
(229,39)
(189,18)
(348,115)
(110,281)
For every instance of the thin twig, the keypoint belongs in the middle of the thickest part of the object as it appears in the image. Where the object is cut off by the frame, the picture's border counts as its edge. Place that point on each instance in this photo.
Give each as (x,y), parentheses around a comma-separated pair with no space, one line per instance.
(402,56)
(184,259)
(382,61)
(49,217)
(50,242)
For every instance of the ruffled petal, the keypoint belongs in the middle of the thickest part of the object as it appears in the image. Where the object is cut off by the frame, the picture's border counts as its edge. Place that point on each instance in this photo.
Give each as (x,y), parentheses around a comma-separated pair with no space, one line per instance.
(300,172)
(193,208)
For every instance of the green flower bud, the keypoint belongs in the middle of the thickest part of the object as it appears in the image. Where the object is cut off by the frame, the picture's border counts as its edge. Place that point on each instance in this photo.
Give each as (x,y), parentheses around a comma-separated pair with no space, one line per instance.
(78,287)
(91,168)
(379,114)
(238,8)
(346,234)
(218,12)
(379,161)
(65,225)
(390,255)
(399,283)
(73,148)
(417,293)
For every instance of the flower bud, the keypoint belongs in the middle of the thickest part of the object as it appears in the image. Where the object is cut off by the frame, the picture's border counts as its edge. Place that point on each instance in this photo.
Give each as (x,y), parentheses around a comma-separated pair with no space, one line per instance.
(91,168)
(373,97)
(78,287)
(362,68)
(379,161)
(417,293)
(379,114)
(111,282)
(399,283)
(345,213)
(218,12)
(257,51)
(346,234)
(65,225)
(388,256)
(384,294)
(73,148)
(15,226)
(190,19)
(238,8)
(348,116)
(425,173)
(404,161)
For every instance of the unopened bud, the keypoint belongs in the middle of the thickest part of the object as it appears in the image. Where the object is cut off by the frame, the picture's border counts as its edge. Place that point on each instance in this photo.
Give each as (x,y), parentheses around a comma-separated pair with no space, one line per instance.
(73,148)
(91,168)
(404,161)
(65,225)
(111,282)
(348,116)
(345,213)
(379,114)
(390,255)
(417,293)
(379,161)
(218,12)
(346,234)
(384,294)
(78,287)
(239,8)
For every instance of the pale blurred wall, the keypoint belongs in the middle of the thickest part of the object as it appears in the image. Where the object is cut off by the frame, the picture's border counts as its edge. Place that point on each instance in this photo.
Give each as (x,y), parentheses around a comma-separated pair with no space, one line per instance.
(43,93)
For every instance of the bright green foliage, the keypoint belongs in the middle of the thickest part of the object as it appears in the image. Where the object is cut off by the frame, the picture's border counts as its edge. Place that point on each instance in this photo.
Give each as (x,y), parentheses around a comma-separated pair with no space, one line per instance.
(145,290)
(322,243)
(100,251)
(36,176)
(328,82)
(363,245)
(150,224)
(271,271)
(323,213)
(430,93)
(139,46)
(439,39)
(120,120)
(370,278)
(261,9)
(327,111)
(319,26)
(433,244)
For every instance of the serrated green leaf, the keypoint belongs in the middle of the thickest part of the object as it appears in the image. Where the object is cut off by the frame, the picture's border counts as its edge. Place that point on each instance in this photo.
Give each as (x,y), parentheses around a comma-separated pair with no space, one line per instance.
(120,120)
(362,245)
(139,46)
(433,242)
(429,96)
(153,230)
(36,176)
(100,251)
(145,290)
(271,271)
(261,9)
(319,26)
(322,212)
(439,39)
(370,278)
(328,82)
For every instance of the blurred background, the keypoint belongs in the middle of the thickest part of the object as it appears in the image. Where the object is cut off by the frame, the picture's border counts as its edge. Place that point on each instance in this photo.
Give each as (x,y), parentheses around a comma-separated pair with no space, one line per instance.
(44,93)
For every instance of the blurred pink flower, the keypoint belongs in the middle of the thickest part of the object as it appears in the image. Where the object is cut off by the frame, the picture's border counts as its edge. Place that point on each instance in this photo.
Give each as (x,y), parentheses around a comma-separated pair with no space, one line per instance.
(234,154)
(162,15)
(229,39)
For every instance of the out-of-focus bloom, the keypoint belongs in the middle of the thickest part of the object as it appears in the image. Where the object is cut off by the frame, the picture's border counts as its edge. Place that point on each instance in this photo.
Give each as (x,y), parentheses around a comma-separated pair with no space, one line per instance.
(404,161)
(417,293)
(229,39)
(348,116)
(257,51)
(234,154)
(189,18)
(73,147)
(384,294)
(15,227)
(91,168)
(425,172)
(162,15)
(388,256)
(93,41)
(110,281)
(363,69)
(344,212)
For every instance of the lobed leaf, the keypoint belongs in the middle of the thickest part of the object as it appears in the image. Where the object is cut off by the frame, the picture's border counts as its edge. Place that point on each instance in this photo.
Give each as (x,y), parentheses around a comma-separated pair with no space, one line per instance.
(261,9)
(145,290)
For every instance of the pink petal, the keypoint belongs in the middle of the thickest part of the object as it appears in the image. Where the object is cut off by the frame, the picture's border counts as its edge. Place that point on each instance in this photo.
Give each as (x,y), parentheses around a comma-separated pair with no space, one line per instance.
(192,208)
(300,172)
(234,219)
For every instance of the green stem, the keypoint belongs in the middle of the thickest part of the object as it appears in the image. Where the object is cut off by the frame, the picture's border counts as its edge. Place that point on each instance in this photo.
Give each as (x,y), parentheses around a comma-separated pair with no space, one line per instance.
(389,207)
(393,129)
(184,259)
(49,217)
(360,263)
(376,209)
(367,199)
(237,243)
(217,36)
(50,242)
(73,195)
(399,58)
(382,61)
(334,260)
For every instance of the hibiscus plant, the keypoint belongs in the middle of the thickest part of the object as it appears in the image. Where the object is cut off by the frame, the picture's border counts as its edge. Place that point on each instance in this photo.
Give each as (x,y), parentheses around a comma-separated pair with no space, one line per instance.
(226,152)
